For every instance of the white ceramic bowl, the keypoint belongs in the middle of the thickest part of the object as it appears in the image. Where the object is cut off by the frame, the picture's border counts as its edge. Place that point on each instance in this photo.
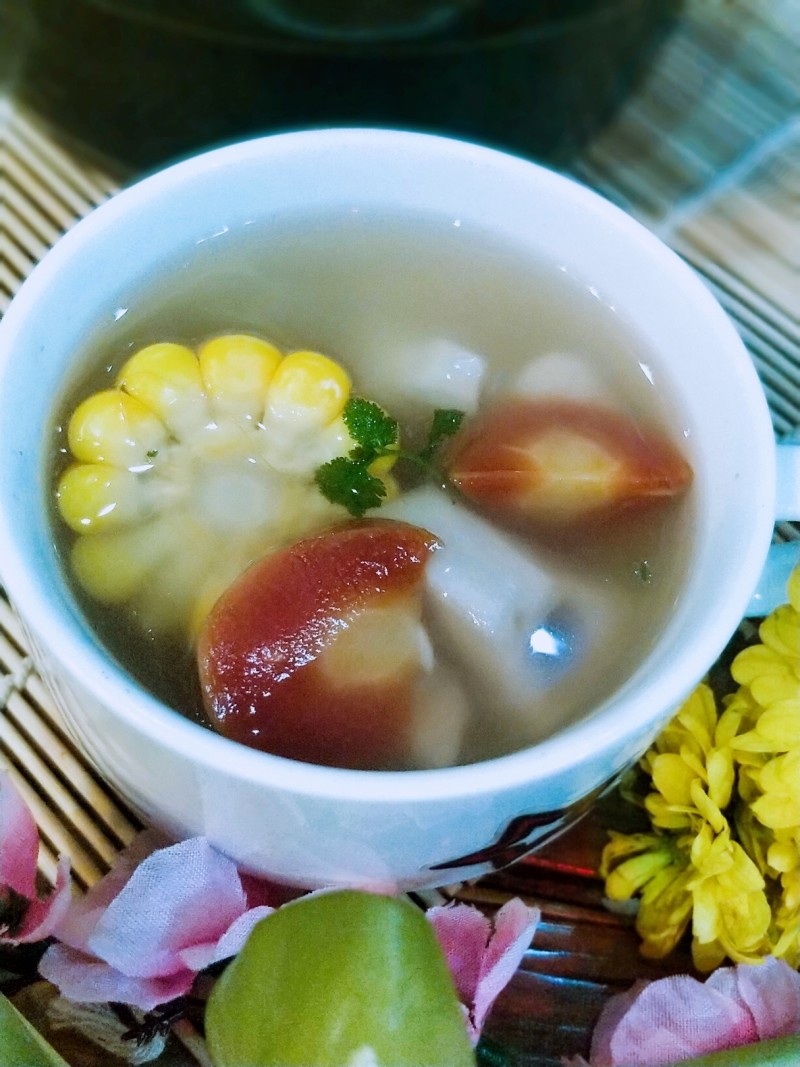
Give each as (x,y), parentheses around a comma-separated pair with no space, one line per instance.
(316,825)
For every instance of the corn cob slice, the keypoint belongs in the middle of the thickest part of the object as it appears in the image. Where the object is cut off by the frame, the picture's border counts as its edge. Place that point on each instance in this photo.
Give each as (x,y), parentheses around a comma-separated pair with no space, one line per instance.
(195,464)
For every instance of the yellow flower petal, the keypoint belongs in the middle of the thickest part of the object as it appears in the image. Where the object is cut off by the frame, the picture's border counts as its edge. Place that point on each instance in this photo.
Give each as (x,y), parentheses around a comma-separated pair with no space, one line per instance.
(753,662)
(707,957)
(776,811)
(730,905)
(673,778)
(664,912)
(783,856)
(706,807)
(780,723)
(621,846)
(780,631)
(743,707)
(773,688)
(756,839)
(668,816)
(721,776)
(782,775)
(699,716)
(793,589)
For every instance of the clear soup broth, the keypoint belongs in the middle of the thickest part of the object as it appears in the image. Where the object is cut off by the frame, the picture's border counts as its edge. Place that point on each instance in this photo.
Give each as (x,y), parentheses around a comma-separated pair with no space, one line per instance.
(522,628)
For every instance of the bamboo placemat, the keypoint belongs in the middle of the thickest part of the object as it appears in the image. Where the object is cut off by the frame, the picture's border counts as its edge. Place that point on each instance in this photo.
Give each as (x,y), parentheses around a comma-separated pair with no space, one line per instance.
(707,154)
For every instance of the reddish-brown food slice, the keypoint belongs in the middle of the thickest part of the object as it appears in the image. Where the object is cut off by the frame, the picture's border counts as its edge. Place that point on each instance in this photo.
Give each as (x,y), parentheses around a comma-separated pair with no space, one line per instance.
(552,461)
(314,652)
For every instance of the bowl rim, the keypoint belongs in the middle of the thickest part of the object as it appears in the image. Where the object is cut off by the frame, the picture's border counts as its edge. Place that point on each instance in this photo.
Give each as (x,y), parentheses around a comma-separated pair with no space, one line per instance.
(601,731)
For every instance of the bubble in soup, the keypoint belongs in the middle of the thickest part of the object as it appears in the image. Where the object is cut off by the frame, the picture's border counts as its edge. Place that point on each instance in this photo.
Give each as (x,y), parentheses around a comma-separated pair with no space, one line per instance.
(379,481)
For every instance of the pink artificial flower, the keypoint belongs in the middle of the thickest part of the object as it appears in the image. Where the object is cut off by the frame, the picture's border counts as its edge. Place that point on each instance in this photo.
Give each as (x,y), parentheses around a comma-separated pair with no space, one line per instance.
(482,956)
(673,1019)
(19,853)
(141,935)
(166,911)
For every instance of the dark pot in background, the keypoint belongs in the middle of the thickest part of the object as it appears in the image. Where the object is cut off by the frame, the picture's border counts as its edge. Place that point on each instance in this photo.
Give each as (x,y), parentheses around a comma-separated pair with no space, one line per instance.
(144,81)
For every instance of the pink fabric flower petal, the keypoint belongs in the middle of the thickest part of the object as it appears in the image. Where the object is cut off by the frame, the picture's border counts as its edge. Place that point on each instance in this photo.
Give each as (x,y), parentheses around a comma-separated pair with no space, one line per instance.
(144,931)
(43,916)
(19,841)
(86,979)
(198,957)
(482,956)
(771,992)
(659,1023)
(19,856)
(77,926)
(514,927)
(463,933)
(610,1017)
(184,895)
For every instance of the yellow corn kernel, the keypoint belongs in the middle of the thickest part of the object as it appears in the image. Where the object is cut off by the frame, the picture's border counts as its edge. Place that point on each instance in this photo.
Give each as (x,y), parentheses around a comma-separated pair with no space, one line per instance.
(113,566)
(95,497)
(326,443)
(112,427)
(166,378)
(236,370)
(215,580)
(168,603)
(383,464)
(392,486)
(309,390)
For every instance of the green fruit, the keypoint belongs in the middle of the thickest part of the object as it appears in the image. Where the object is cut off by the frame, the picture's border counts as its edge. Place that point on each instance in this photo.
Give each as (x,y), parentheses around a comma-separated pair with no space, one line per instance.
(775,1052)
(20,1044)
(342,979)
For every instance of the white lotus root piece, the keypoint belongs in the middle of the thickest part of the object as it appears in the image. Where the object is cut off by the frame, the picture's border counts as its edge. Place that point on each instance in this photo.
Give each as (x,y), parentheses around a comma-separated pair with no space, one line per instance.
(438,373)
(566,376)
(514,627)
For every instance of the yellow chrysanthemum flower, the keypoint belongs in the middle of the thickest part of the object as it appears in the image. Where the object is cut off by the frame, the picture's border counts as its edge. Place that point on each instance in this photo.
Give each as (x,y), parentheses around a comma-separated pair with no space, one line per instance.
(690,761)
(778,781)
(730,912)
(657,867)
(768,762)
(776,729)
(767,672)
(786,931)
(755,838)
(771,669)
(725,808)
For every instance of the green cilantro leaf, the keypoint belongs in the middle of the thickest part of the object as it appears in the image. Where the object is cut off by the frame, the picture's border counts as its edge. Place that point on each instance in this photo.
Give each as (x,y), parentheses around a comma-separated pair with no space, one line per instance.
(445,423)
(369,425)
(347,482)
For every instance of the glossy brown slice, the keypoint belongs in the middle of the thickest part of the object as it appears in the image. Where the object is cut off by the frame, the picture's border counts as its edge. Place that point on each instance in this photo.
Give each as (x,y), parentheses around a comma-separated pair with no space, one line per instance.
(555,461)
(314,652)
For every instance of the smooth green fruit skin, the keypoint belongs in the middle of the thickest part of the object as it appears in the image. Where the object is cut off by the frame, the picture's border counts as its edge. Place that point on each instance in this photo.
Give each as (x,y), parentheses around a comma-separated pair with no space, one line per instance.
(775,1052)
(20,1044)
(327,975)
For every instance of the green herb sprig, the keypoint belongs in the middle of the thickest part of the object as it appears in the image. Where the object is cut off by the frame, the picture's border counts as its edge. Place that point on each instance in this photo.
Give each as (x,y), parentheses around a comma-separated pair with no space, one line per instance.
(347,480)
